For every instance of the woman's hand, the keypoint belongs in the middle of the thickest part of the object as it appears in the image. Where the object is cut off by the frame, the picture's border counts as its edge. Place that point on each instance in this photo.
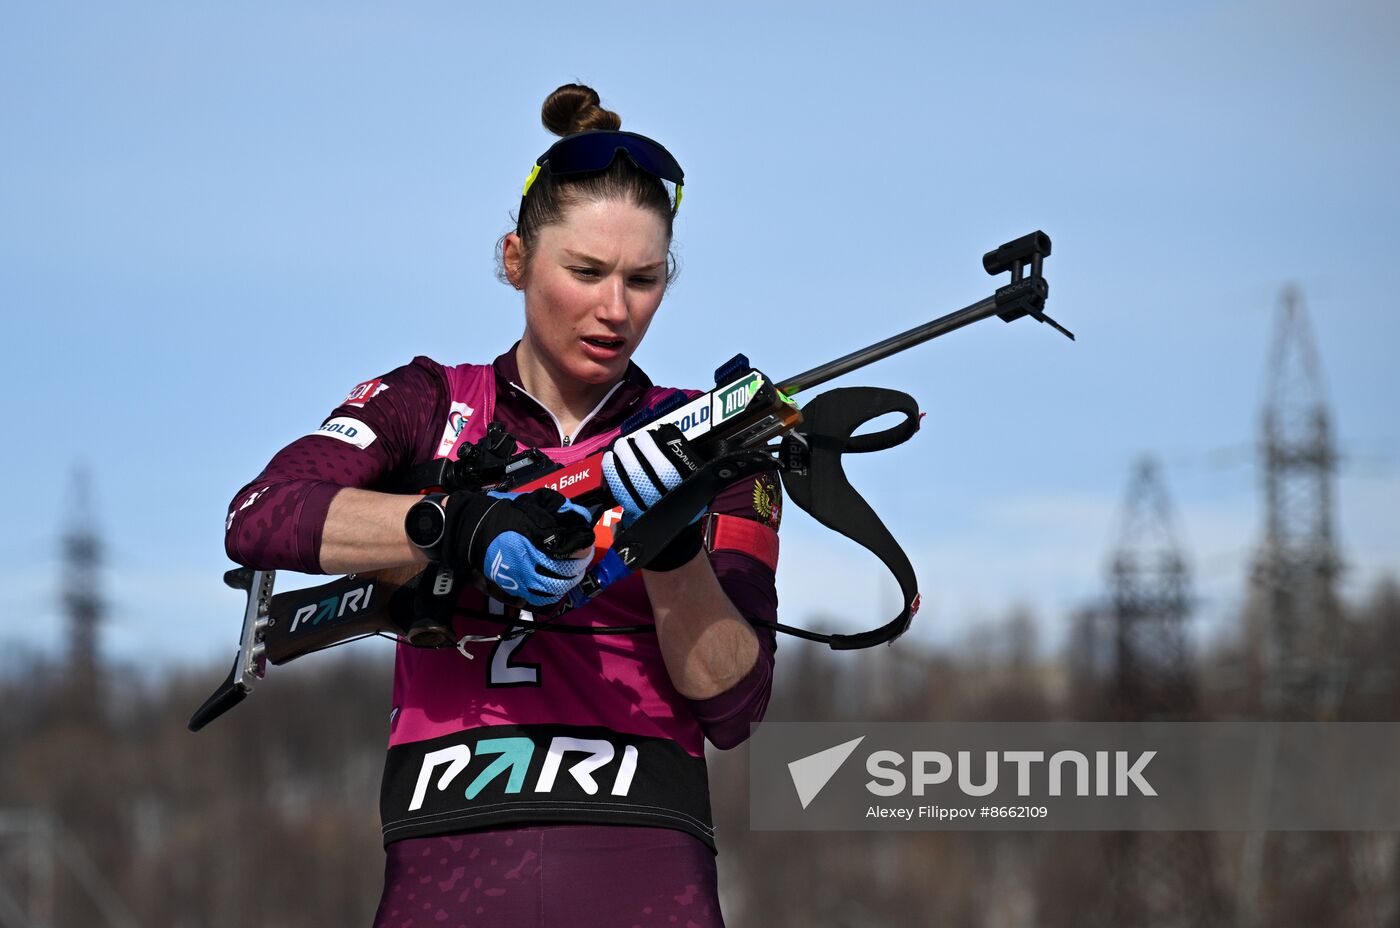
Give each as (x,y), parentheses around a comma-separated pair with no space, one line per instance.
(640,469)
(539,542)
(518,543)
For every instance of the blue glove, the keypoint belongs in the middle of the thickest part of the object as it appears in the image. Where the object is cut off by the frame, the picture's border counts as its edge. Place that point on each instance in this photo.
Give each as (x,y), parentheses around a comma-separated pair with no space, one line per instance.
(642,468)
(519,542)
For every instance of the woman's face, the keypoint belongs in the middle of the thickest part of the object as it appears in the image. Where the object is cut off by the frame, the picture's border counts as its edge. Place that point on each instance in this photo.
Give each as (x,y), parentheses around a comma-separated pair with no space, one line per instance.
(591,287)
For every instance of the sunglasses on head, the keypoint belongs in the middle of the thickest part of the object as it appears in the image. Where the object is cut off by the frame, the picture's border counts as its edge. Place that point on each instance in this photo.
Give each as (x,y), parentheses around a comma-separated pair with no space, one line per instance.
(593,151)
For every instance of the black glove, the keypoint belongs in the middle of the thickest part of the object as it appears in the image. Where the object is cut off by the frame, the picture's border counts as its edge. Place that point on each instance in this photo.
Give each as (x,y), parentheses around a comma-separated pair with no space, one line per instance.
(519,542)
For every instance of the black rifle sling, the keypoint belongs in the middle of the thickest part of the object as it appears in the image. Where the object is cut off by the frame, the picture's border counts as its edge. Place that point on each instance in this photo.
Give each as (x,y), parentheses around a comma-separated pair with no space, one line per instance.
(815,481)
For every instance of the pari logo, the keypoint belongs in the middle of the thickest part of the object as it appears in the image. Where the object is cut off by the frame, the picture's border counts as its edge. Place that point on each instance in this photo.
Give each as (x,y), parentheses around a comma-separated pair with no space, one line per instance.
(512,761)
(351,602)
(1113,773)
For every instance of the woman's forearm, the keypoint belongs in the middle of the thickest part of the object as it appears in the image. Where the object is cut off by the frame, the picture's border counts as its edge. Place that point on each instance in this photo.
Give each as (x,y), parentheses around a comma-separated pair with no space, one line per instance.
(706,644)
(364,531)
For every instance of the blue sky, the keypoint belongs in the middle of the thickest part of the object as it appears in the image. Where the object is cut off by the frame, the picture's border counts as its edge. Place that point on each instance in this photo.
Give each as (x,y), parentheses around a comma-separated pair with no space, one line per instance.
(214,220)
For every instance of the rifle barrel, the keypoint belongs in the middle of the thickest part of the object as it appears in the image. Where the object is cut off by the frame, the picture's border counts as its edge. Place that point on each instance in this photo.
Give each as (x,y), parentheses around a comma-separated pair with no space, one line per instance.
(892,345)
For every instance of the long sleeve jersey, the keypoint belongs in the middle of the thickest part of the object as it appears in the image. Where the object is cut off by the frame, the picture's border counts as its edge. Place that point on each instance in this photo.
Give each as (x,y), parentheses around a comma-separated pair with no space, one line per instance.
(411,415)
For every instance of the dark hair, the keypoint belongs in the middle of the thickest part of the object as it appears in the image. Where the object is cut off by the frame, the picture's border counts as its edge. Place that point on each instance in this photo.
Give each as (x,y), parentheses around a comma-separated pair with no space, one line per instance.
(570,109)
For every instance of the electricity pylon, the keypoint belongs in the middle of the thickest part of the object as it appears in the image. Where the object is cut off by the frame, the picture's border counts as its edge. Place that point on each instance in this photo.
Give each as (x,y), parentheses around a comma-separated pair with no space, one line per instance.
(83,604)
(1297,620)
(1163,879)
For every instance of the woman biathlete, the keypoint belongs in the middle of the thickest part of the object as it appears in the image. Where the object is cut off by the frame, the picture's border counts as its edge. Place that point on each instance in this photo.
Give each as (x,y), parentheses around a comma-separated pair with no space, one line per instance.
(546,778)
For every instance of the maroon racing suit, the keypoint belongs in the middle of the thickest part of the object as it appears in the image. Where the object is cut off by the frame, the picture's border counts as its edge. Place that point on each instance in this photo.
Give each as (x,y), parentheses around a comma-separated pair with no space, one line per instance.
(549,760)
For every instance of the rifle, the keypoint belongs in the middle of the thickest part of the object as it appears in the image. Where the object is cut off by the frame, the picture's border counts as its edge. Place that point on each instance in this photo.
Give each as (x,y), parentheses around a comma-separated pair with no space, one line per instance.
(732,429)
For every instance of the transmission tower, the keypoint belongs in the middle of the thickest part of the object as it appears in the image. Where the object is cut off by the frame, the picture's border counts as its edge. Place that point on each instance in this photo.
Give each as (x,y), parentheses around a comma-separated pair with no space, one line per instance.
(1158,879)
(83,604)
(1297,620)
(1296,568)
(1150,600)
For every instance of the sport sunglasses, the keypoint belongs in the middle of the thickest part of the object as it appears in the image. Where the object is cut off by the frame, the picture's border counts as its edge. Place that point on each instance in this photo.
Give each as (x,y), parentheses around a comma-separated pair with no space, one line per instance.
(592,151)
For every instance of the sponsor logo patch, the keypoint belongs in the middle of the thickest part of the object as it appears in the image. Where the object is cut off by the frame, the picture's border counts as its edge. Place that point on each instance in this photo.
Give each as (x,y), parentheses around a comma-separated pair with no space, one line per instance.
(513,764)
(498,574)
(693,419)
(677,446)
(336,607)
(350,431)
(766,502)
(457,420)
(569,480)
(734,399)
(364,392)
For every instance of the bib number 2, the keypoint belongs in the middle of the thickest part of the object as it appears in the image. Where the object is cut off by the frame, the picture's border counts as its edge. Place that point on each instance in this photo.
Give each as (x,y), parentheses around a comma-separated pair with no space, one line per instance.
(503,669)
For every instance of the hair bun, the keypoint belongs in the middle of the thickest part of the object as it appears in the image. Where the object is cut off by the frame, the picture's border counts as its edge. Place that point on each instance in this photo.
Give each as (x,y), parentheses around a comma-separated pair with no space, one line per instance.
(575,108)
